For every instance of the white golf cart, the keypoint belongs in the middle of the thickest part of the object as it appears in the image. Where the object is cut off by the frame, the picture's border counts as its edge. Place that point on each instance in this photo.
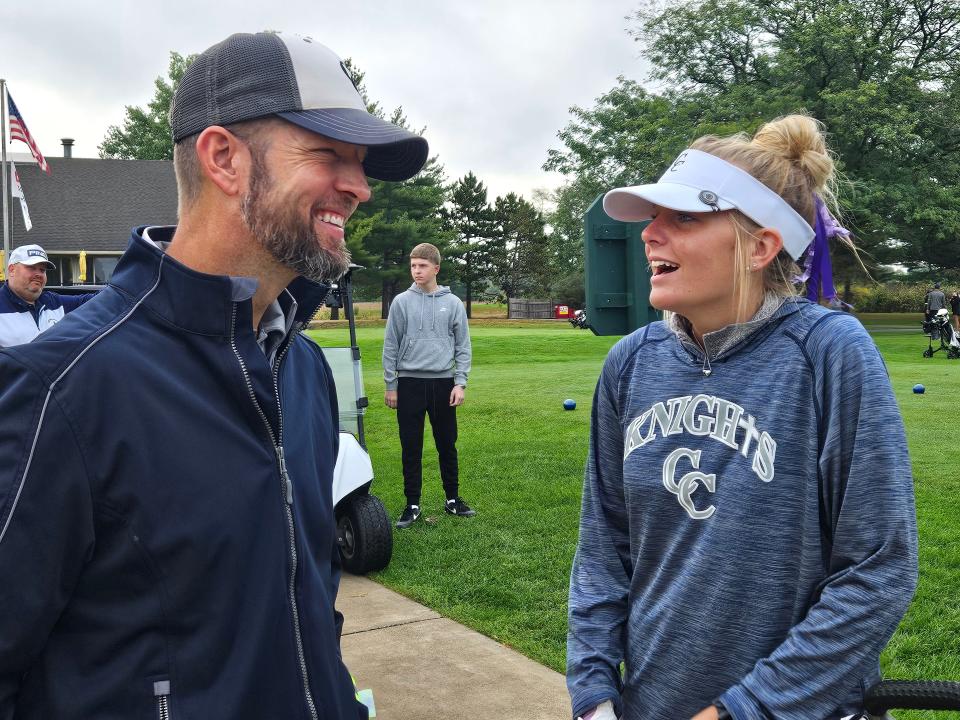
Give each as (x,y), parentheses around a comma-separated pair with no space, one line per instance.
(364,533)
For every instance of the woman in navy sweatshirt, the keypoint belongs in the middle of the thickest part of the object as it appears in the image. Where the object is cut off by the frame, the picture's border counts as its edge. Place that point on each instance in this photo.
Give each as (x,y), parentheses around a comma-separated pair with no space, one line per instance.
(748,535)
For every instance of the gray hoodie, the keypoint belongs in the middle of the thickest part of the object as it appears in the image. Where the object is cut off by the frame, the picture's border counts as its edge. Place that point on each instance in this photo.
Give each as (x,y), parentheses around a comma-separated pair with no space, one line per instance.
(427,337)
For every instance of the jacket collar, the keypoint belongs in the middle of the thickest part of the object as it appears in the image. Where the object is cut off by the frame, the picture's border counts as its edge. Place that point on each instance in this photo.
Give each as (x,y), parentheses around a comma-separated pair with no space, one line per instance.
(195,301)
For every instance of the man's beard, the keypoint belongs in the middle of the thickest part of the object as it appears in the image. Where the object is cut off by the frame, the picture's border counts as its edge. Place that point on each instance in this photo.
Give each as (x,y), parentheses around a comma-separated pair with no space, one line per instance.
(289,239)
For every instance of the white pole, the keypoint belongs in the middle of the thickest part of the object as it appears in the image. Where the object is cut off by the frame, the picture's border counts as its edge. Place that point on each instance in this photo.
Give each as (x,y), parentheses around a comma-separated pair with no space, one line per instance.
(6,174)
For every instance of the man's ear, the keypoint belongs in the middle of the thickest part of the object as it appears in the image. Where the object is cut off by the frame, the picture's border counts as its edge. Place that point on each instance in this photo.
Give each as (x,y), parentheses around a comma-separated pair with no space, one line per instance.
(224,160)
(767,245)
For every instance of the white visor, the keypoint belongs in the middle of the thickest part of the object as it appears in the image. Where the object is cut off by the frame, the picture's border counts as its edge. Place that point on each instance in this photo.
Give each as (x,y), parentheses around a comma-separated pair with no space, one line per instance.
(701,182)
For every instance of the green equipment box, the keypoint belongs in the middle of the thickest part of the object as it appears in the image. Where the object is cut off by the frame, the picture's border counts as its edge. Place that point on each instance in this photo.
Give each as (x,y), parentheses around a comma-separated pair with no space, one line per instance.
(616,275)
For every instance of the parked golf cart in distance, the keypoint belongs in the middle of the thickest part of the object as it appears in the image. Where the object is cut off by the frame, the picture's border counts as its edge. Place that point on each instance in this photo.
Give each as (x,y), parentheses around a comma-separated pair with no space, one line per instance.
(364,532)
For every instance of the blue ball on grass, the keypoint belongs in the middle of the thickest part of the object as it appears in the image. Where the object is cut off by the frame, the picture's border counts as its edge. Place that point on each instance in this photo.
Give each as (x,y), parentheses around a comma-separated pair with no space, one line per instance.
(569,404)
(919,389)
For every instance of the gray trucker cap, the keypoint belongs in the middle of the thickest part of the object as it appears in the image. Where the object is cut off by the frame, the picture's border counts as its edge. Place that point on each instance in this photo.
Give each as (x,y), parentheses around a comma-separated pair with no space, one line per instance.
(249,76)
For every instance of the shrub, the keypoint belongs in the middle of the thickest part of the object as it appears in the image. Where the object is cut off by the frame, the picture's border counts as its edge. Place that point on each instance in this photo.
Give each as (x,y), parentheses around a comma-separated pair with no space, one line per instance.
(890,297)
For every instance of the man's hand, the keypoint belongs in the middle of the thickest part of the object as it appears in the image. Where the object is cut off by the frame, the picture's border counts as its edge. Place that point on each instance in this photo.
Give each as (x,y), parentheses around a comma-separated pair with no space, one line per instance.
(390,398)
(456,396)
(708,713)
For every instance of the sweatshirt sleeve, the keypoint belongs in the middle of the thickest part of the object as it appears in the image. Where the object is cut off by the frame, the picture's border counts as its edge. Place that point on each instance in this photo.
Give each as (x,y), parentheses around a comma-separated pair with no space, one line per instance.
(462,351)
(396,322)
(46,521)
(602,568)
(869,525)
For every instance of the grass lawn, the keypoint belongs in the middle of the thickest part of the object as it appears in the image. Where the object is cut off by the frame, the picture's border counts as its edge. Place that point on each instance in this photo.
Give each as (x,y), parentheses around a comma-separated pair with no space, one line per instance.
(505,572)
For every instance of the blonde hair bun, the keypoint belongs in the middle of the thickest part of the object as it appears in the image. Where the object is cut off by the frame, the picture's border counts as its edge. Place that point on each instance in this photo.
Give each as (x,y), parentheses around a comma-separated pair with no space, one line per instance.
(799,139)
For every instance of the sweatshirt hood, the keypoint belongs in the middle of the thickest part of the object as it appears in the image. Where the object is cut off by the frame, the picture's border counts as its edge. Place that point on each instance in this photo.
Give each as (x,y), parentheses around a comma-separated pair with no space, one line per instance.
(441,290)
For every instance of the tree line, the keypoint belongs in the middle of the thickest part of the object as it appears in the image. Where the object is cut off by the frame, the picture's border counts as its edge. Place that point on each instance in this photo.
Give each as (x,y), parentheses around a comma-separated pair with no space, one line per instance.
(882,75)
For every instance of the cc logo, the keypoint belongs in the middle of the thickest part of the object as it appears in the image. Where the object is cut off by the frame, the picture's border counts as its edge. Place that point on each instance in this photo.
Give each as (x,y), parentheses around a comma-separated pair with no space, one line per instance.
(688,484)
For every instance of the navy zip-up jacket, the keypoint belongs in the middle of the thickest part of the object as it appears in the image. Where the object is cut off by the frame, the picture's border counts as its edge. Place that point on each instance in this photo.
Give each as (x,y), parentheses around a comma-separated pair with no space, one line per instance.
(167,535)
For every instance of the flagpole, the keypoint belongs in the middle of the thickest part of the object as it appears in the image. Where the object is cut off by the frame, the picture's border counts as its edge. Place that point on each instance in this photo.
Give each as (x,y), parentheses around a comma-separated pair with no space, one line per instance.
(5,173)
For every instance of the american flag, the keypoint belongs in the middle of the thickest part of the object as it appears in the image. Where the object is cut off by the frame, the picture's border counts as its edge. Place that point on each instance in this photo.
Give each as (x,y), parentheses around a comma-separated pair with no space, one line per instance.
(18,131)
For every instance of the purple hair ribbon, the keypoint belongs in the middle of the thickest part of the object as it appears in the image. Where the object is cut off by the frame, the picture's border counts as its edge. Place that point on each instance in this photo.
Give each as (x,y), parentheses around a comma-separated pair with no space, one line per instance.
(817,270)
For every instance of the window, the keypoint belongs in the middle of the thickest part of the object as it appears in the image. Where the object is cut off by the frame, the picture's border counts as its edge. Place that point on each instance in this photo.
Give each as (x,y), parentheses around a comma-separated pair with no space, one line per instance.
(102,269)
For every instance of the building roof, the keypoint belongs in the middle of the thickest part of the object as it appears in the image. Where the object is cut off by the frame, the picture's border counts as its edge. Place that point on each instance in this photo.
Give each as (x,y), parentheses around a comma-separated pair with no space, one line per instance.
(91,204)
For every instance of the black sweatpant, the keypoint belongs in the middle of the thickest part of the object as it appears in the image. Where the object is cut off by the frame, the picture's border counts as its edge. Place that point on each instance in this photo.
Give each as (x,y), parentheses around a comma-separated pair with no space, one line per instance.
(417,397)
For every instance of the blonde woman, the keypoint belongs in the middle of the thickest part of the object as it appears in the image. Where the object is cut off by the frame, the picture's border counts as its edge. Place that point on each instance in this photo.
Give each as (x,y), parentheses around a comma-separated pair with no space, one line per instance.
(748,536)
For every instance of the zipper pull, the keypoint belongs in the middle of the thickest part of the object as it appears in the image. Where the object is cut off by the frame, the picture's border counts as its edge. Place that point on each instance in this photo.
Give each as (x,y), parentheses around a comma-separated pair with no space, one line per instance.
(161,691)
(284,475)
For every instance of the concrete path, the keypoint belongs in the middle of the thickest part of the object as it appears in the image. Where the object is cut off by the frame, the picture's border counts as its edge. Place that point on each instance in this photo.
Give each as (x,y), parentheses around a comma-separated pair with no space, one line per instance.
(421,665)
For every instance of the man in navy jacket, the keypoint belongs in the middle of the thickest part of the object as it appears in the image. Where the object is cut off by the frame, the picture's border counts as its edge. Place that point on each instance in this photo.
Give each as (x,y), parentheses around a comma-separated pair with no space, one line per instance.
(26,309)
(167,535)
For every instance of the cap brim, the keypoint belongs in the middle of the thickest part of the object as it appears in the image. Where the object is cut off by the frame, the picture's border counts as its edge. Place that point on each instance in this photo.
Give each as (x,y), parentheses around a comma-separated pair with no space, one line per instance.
(636,203)
(50,265)
(393,153)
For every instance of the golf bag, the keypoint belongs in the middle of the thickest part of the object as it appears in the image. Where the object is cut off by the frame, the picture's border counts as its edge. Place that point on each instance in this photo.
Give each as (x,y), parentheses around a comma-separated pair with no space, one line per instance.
(939,328)
(579,319)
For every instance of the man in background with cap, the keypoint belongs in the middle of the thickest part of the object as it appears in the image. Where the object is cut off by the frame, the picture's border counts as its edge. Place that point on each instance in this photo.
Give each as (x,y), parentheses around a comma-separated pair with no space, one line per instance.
(26,309)
(167,534)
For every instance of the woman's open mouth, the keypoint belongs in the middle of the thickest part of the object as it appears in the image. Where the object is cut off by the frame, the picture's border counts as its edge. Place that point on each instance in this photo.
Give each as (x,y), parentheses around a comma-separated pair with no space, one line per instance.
(662,267)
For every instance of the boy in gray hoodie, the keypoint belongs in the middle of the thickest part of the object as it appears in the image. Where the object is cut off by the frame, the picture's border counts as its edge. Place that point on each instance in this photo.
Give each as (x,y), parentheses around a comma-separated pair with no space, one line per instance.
(426,360)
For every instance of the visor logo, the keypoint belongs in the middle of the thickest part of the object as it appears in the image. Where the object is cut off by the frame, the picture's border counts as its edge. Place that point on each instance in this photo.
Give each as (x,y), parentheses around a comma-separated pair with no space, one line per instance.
(709,198)
(681,159)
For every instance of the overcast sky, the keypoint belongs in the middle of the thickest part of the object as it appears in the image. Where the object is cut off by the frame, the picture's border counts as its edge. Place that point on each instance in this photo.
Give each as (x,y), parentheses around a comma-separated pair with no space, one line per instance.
(491,80)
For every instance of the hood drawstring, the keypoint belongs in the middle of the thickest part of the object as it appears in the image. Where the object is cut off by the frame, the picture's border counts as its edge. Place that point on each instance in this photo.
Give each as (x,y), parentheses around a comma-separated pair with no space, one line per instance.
(423,300)
(705,367)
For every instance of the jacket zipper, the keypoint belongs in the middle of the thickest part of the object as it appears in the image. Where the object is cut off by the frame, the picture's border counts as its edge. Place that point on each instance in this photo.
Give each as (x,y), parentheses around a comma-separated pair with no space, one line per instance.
(287,489)
(161,691)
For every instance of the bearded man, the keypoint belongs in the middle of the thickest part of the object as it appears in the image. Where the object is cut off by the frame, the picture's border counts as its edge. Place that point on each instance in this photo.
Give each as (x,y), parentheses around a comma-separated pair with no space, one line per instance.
(167,535)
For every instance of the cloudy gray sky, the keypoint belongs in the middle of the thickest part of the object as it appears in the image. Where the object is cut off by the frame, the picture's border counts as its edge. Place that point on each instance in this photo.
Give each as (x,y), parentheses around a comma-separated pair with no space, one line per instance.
(491,80)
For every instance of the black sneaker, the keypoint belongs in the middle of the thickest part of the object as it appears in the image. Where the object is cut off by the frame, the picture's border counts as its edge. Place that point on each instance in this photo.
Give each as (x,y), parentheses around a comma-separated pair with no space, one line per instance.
(456,506)
(410,514)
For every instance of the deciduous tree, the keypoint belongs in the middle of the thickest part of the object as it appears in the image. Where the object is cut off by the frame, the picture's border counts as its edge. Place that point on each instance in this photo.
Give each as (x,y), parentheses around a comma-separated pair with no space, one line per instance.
(881,74)
(145,133)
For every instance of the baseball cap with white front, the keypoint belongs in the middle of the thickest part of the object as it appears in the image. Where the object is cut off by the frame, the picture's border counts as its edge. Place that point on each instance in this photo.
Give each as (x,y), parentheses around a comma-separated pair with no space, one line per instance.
(30,255)
(701,182)
(250,76)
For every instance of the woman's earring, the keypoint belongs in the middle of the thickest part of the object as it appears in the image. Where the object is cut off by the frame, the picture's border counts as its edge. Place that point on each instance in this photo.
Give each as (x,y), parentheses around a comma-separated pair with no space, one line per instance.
(753,267)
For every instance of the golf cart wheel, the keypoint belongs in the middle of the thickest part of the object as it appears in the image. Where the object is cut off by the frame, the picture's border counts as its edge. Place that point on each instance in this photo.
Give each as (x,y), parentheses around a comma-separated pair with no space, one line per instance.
(928,353)
(364,535)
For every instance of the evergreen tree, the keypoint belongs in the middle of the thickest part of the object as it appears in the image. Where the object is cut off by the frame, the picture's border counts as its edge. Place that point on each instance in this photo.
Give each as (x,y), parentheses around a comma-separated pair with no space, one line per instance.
(521,251)
(470,221)
(398,216)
